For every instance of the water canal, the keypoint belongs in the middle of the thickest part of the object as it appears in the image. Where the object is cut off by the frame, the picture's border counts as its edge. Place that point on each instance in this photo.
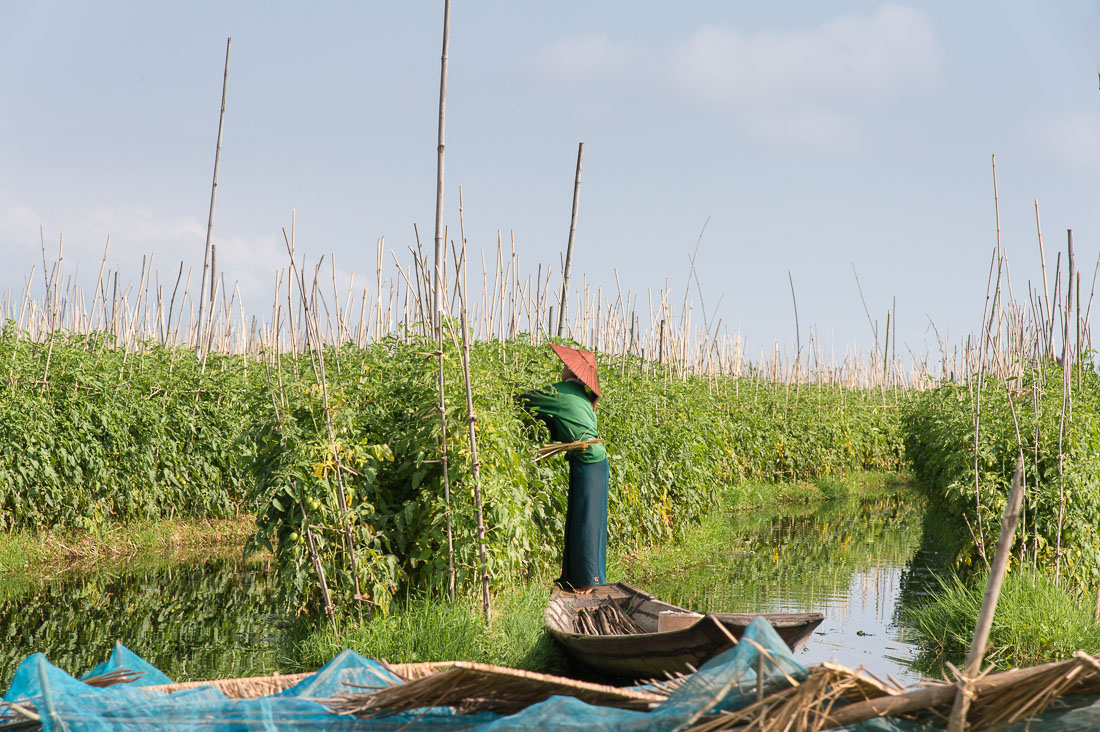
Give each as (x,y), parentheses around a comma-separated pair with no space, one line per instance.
(849,559)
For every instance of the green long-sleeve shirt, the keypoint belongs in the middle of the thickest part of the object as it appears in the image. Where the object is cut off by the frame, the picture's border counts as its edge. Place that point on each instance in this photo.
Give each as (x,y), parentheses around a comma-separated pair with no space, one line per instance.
(568,413)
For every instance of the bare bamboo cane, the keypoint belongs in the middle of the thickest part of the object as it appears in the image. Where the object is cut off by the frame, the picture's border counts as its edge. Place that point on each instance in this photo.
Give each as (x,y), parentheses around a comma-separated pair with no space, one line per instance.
(563,306)
(437,293)
(1066,406)
(207,255)
(475,465)
(964,692)
(318,567)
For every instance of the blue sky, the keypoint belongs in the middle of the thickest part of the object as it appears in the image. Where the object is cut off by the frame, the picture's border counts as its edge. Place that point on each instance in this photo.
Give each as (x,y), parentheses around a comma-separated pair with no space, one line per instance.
(813,135)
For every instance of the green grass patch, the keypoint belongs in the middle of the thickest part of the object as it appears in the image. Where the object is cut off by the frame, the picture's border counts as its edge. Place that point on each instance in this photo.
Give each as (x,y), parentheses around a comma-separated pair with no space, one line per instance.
(424,628)
(1036,622)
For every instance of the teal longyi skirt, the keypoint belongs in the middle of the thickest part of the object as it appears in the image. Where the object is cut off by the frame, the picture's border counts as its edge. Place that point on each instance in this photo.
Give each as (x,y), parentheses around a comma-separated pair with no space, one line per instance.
(584,558)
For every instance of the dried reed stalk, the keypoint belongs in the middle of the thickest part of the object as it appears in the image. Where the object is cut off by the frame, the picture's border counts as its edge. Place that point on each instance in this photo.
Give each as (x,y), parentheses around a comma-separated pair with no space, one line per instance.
(475,687)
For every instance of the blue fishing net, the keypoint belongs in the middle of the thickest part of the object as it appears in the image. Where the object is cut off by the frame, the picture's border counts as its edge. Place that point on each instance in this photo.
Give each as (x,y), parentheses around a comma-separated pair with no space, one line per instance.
(65,703)
(727,682)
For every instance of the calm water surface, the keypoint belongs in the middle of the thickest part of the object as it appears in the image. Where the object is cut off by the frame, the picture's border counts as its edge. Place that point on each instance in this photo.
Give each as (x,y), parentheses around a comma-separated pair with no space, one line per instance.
(851,560)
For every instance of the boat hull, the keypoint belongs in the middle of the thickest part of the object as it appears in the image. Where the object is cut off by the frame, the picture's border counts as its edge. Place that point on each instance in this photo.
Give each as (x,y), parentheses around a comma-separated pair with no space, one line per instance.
(653,653)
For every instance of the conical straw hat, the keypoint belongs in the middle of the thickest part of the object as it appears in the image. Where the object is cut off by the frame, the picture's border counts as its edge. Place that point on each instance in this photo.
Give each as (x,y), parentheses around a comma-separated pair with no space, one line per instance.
(582,364)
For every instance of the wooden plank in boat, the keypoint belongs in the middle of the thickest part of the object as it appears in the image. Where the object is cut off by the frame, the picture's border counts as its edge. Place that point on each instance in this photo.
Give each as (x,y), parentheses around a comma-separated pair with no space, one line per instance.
(671,620)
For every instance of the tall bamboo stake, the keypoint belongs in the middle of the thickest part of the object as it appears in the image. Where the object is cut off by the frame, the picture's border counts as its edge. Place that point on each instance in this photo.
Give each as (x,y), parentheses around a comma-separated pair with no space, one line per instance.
(314,340)
(974,657)
(440,250)
(207,256)
(1066,404)
(475,465)
(563,314)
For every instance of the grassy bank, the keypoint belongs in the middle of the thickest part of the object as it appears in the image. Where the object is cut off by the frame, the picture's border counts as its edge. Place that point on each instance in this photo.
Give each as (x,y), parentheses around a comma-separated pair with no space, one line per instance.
(28,559)
(1036,622)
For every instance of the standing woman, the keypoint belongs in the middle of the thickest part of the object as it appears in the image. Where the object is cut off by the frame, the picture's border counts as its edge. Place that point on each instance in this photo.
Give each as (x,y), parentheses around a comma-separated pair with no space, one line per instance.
(568,409)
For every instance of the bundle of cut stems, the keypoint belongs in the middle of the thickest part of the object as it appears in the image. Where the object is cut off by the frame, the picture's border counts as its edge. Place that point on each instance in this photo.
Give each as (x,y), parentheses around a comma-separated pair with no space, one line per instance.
(607,618)
(555,448)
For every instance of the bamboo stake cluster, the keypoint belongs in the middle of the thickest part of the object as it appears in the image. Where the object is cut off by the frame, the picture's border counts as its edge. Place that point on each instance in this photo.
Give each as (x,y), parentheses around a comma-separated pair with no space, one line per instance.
(629,330)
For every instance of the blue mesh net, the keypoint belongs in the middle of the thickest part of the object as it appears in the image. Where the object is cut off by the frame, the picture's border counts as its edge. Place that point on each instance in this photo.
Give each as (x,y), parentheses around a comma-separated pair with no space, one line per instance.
(727,682)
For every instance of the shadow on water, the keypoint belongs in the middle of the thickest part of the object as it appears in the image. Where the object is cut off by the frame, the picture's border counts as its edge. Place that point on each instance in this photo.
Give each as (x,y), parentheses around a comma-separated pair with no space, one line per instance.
(219,619)
(848,559)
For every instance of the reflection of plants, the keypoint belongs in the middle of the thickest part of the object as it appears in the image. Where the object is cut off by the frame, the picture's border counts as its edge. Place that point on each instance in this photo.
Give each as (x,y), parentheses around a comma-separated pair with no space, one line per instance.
(807,551)
(203,621)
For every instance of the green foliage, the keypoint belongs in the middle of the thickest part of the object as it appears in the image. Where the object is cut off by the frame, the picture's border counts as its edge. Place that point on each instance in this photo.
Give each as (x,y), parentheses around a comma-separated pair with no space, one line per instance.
(672,445)
(971,493)
(94,435)
(90,434)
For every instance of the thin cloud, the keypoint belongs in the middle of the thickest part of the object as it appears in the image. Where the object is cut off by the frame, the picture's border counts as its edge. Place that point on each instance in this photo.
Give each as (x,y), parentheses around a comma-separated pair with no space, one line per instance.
(810,127)
(248,262)
(850,57)
(1073,139)
(794,86)
(577,59)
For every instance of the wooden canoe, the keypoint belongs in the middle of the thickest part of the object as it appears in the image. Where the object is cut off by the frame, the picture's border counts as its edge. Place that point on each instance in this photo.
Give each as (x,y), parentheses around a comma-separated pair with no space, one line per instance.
(648,652)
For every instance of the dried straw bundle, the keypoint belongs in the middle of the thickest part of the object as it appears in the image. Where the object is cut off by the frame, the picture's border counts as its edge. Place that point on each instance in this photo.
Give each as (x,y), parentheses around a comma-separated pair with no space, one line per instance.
(256,686)
(555,448)
(802,706)
(475,687)
(607,618)
(118,676)
(19,717)
(997,704)
(998,700)
(246,688)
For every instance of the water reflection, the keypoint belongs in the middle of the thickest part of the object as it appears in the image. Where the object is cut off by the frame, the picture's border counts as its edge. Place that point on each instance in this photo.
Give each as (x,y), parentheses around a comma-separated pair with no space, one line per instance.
(220,619)
(847,559)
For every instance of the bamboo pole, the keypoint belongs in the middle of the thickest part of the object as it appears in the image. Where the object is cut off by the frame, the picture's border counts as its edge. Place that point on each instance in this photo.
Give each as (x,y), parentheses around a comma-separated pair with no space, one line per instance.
(1047,313)
(437,292)
(1066,405)
(315,557)
(964,688)
(475,465)
(563,307)
(207,264)
(314,339)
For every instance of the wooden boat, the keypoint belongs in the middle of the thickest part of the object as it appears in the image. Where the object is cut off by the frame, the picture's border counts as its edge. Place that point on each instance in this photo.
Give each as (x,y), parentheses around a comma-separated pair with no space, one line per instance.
(630,633)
